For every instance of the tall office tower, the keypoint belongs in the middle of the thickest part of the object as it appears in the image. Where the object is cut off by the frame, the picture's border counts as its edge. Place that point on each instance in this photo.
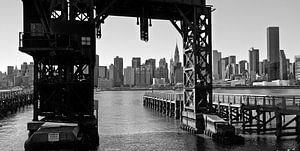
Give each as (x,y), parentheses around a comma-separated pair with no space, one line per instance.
(176,55)
(136,62)
(253,63)
(23,68)
(30,73)
(273,52)
(266,68)
(111,73)
(118,71)
(143,75)
(129,76)
(103,72)
(261,68)
(162,70)
(288,66)
(151,66)
(96,71)
(148,75)
(232,59)
(224,64)
(297,68)
(282,66)
(137,76)
(172,74)
(216,66)
(242,66)
(232,63)
(10,70)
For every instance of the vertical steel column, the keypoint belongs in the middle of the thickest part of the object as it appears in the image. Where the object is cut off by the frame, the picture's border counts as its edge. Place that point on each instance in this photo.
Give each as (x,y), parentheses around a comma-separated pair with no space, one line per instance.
(35,89)
(197,45)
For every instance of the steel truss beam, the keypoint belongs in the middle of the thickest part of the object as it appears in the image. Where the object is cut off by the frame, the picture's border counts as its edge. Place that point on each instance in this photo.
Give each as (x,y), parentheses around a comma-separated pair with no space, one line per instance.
(196,31)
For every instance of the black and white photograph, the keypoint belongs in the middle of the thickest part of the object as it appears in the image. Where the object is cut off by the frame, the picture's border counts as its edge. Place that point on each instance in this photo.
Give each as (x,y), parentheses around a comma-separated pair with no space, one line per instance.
(149,75)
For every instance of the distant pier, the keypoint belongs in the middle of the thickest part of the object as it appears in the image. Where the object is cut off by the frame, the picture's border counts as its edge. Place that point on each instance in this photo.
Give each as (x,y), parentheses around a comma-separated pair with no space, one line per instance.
(259,114)
(170,104)
(11,100)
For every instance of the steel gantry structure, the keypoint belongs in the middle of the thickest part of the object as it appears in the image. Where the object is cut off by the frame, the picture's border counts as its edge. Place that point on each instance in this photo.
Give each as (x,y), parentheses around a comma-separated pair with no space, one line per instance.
(61,35)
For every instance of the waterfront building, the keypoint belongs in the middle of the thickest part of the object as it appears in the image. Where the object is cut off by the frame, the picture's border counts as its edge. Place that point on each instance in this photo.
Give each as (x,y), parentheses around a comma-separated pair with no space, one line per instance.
(283,65)
(129,76)
(162,70)
(216,66)
(151,66)
(242,66)
(273,53)
(23,68)
(111,73)
(105,83)
(297,68)
(224,64)
(10,70)
(118,71)
(103,73)
(253,63)
(30,73)
(137,75)
(159,82)
(136,62)
(178,74)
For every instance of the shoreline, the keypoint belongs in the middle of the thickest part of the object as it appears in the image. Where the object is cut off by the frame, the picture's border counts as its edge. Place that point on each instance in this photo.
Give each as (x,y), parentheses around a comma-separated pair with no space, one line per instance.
(215,87)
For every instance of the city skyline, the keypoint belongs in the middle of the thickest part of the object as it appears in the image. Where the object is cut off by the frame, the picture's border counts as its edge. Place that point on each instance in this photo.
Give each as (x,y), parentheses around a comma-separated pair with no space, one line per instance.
(229,35)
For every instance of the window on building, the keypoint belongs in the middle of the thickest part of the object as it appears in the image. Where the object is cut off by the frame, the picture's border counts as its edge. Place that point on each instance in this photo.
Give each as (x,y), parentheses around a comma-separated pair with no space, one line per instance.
(86,41)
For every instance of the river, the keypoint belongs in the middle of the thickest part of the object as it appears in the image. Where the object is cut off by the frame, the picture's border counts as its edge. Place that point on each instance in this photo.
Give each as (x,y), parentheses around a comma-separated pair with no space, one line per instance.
(125,124)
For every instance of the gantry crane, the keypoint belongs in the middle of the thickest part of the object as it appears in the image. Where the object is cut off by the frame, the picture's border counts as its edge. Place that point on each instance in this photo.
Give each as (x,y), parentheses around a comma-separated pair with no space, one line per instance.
(61,35)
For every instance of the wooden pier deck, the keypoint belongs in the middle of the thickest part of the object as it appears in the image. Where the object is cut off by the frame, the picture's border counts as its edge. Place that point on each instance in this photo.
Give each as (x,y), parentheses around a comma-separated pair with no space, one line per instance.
(170,104)
(260,114)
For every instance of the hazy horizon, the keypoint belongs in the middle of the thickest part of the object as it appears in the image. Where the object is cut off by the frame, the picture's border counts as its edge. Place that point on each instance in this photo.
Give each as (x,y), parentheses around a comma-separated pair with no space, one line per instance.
(237,26)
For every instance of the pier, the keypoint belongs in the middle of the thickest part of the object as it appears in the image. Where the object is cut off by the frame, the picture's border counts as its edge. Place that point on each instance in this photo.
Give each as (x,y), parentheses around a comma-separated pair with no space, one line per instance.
(170,104)
(11,100)
(259,114)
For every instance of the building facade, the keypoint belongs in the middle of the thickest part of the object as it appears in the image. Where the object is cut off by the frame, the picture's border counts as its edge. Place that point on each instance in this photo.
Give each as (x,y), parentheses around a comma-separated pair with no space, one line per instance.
(273,53)
(118,71)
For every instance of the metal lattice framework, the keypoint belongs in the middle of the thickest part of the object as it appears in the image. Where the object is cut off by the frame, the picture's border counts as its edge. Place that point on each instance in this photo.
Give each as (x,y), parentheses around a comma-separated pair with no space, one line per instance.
(61,39)
(197,66)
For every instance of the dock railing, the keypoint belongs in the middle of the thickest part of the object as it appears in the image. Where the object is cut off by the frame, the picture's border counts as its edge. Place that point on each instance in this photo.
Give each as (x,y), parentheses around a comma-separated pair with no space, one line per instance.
(278,101)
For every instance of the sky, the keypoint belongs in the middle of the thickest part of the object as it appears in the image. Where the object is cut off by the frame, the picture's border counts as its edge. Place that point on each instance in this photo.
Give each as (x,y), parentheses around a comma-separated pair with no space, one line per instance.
(238,25)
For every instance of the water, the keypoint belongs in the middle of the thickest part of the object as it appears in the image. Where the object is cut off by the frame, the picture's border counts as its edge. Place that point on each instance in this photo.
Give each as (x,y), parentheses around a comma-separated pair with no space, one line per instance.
(126,125)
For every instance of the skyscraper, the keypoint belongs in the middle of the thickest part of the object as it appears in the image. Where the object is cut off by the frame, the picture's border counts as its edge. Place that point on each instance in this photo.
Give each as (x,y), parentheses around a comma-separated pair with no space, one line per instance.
(118,71)
(253,63)
(103,72)
(136,62)
(23,68)
(283,65)
(111,73)
(10,70)
(273,52)
(224,63)
(216,66)
(151,67)
(176,55)
(129,76)
(297,67)
(176,70)
(162,70)
(242,67)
